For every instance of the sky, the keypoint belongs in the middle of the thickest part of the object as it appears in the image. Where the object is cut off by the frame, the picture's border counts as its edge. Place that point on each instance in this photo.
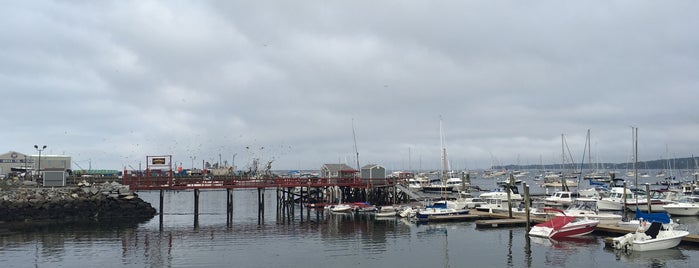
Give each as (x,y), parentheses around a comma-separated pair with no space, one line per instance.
(304,83)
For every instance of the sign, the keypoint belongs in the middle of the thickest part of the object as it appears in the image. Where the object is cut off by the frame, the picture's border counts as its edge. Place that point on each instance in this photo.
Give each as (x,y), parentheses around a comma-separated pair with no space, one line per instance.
(158,161)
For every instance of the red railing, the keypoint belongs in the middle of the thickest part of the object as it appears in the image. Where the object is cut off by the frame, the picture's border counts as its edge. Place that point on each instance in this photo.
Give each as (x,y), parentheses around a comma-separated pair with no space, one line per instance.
(146,182)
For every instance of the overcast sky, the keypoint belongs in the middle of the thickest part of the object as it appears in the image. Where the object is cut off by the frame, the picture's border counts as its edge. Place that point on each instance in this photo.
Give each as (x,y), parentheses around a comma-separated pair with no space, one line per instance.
(111,82)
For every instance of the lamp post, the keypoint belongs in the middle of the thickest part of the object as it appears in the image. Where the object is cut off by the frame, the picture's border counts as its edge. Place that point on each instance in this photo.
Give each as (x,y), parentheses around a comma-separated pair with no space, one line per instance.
(37,148)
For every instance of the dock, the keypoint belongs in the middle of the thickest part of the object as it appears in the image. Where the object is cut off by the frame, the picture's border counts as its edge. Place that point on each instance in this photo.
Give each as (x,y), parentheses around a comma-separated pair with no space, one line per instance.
(494,220)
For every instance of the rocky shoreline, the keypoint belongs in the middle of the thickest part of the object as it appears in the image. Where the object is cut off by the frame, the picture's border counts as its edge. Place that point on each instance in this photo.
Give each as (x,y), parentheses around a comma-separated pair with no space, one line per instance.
(100,202)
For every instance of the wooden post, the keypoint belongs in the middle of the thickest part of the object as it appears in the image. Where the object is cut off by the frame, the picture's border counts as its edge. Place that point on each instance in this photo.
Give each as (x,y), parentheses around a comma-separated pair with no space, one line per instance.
(526,205)
(509,199)
(162,194)
(196,208)
(648,197)
(229,207)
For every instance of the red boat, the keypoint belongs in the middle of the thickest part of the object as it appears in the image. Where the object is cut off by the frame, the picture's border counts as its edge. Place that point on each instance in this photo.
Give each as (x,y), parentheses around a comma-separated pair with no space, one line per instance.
(563,226)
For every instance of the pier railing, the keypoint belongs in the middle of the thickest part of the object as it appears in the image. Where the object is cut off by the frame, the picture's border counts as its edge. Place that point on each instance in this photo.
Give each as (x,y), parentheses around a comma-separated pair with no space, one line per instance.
(149,182)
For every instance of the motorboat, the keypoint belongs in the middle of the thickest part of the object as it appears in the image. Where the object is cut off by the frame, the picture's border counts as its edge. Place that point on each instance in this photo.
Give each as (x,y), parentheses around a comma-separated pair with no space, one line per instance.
(686,206)
(386,211)
(414,184)
(640,217)
(587,208)
(563,226)
(340,208)
(658,199)
(496,201)
(655,236)
(559,199)
(615,199)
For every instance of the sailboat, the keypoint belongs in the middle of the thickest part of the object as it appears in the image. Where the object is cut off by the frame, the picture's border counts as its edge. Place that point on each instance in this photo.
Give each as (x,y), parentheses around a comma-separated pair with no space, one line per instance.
(441,208)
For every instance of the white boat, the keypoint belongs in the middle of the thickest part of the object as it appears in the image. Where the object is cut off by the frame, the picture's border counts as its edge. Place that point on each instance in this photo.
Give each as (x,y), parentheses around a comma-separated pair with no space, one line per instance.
(686,206)
(559,199)
(340,208)
(386,211)
(587,208)
(438,209)
(658,199)
(496,201)
(615,200)
(655,237)
(414,184)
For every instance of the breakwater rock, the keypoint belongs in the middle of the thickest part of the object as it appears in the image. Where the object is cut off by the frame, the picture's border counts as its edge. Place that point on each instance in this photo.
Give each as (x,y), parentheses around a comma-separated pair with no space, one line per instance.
(97,202)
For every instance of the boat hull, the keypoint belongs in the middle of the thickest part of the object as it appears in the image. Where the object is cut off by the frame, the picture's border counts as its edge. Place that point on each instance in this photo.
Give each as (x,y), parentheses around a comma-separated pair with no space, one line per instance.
(682,210)
(572,229)
(659,243)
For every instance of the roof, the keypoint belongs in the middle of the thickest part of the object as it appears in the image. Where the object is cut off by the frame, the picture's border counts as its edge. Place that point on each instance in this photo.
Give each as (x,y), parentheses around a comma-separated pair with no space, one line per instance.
(337,167)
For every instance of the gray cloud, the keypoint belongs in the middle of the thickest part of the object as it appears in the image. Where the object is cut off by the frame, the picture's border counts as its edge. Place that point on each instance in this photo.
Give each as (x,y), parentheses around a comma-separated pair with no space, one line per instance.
(113,82)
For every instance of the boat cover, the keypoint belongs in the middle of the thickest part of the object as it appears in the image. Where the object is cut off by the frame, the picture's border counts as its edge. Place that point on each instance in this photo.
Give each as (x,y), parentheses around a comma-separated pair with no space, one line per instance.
(661,217)
(557,222)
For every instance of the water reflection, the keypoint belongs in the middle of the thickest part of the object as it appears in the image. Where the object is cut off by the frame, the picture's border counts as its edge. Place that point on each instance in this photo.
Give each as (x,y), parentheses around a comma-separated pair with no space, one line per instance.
(656,258)
(557,250)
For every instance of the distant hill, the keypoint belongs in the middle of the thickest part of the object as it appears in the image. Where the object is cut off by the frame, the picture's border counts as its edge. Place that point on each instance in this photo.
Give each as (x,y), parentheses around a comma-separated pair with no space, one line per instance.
(686,163)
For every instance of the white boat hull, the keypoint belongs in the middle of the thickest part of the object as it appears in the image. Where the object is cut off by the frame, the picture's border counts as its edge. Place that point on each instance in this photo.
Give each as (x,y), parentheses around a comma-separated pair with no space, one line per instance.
(609,205)
(682,210)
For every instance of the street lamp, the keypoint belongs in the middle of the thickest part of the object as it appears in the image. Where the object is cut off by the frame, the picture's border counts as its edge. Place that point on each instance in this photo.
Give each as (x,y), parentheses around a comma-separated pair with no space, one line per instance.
(37,148)
(192,158)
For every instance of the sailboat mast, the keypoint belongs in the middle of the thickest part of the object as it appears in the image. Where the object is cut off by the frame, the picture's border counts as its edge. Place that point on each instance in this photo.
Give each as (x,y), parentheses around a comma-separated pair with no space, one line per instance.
(355,145)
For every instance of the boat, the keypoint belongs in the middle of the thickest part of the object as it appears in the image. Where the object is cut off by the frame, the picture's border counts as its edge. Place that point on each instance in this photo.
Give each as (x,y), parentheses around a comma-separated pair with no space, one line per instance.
(386,211)
(655,236)
(658,199)
(615,199)
(686,206)
(559,199)
(496,201)
(340,208)
(449,185)
(438,209)
(661,217)
(587,208)
(563,226)
(414,184)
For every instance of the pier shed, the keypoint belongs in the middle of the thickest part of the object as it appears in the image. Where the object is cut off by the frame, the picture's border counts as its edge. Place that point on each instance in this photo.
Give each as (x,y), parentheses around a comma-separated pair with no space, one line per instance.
(373,171)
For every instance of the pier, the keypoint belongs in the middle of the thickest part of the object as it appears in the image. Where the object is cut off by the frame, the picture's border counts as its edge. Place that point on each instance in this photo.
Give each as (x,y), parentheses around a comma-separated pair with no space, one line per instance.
(310,193)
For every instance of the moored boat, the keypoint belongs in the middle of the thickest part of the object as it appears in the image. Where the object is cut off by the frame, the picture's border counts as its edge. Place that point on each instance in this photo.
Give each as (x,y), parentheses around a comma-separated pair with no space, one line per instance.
(655,237)
(563,226)
(686,206)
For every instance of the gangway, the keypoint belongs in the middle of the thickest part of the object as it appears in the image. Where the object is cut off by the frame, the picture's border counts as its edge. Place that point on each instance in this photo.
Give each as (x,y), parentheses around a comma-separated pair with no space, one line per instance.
(409,192)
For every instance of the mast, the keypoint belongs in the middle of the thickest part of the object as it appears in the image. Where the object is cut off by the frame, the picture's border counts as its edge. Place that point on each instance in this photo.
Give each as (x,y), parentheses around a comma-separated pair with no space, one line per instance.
(355,145)
(444,158)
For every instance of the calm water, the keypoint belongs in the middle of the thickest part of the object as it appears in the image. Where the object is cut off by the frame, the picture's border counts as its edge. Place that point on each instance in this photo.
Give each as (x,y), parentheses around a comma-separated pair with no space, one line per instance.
(316,240)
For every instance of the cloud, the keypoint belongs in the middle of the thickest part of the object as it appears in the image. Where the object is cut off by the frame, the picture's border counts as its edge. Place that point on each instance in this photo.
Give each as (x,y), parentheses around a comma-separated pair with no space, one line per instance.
(114,82)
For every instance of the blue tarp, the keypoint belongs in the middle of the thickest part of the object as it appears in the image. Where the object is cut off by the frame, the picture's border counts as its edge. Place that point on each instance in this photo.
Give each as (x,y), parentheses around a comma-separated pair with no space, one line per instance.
(661,217)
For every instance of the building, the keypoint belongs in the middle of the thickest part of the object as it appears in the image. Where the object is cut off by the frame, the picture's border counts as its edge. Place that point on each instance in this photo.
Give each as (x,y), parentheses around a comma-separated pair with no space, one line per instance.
(336,171)
(15,163)
(373,171)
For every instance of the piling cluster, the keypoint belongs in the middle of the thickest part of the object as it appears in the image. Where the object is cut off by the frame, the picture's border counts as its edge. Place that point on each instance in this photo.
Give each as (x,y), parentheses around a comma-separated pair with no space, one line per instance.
(104,201)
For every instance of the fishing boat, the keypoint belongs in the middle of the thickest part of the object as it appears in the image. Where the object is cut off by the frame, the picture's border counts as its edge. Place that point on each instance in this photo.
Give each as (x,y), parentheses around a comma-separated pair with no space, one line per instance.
(655,236)
(563,226)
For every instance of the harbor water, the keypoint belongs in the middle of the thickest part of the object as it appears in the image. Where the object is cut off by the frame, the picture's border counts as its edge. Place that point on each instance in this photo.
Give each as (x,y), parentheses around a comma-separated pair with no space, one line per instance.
(314,240)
